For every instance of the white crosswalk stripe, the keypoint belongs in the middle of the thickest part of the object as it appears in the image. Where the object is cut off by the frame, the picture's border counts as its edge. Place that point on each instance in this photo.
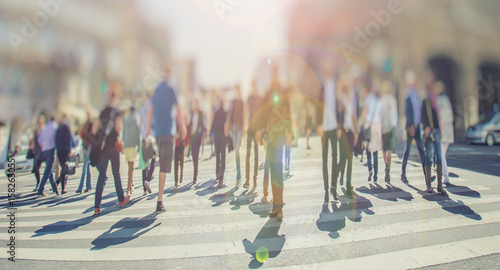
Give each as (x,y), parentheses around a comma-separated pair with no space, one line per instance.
(233,222)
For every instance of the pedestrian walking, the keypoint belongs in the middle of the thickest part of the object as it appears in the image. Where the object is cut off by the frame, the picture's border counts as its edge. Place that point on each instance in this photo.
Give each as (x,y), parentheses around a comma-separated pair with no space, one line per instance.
(349,138)
(389,123)
(85,134)
(163,112)
(330,130)
(432,132)
(110,146)
(64,144)
(372,128)
(47,141)
(147,154)
(237,124)
(220,130)
(446,124)
(254,135)
(196,132)
(131,142)
(37,150)
(413,120)
(180,142)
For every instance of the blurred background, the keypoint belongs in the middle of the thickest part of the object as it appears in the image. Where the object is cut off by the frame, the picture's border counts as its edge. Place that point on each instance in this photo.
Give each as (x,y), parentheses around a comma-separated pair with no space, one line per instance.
(59,56)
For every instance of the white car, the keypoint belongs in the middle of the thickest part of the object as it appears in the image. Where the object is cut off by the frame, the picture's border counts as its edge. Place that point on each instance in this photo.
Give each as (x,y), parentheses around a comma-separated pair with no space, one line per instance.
(487,131)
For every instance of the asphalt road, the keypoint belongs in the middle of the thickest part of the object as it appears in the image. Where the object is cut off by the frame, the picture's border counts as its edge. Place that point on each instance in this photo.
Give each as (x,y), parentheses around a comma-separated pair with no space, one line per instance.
(385,226)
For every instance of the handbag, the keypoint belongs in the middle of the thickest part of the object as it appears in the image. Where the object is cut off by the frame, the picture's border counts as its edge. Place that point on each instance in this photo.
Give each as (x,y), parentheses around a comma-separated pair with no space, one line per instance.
(119,145)
(367,134)
(30,154)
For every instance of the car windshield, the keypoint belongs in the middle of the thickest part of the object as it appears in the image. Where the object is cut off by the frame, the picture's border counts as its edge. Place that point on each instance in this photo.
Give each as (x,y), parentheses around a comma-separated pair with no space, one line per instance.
(486,117)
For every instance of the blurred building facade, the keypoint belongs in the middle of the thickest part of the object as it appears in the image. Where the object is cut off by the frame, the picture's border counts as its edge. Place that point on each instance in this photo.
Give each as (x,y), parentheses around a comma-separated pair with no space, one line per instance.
(458,40)
(58,55)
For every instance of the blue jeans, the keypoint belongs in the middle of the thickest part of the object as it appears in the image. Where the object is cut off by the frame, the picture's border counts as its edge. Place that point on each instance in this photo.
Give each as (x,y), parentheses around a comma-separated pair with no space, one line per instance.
(49,157)
(108,155)
(420,146)
(375,163)
(431,145)
(86,170)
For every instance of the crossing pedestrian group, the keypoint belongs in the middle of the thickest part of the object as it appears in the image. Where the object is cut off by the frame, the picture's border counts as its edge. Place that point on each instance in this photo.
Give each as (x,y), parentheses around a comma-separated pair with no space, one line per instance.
(354,116)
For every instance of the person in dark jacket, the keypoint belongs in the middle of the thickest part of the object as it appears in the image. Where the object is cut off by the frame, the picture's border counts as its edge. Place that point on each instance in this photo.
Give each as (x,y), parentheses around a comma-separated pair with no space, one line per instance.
(37,150)
(108,136)
(432,132)
(412,123)
(196,132)
(64,143)
(219,129)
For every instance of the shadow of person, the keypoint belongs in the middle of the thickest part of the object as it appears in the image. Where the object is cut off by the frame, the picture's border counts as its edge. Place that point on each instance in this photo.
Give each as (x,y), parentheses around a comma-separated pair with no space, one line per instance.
(124,231)
(355,207)
(219,199)
(455,207)
(66,226)
(261,209)
(331,222)
(462,190)
(267,244)
(173,191)
(246,197)
(389,192)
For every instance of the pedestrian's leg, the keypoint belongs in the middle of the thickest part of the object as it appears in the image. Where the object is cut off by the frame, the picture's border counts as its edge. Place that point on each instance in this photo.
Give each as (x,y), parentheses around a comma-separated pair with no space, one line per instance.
(446,174)
(195,152)
(151,169)
(130,174)
(256,162)
(427,165)
(405,157)
(222,160)
(247,160)
(101,179)
(237,146)
(115,167)
(334,142)
(375,165)
(369,162)
(420,146)
(342,157)
(176,164)
(218,160)
(48,157)
(325,163)
(277,186)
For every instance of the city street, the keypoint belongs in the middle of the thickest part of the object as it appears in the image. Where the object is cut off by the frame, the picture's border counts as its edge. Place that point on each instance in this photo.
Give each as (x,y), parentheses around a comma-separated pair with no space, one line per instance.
(393,225)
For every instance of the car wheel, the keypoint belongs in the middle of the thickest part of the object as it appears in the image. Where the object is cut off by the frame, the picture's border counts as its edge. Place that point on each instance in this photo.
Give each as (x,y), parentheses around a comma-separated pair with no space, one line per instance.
(490,140)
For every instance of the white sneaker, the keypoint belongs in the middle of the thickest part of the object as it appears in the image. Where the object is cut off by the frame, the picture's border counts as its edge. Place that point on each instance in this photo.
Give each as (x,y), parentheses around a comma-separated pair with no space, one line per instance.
(446,179)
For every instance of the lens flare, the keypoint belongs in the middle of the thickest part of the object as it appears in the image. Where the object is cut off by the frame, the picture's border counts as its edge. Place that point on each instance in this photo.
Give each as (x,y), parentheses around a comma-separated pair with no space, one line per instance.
(262,254)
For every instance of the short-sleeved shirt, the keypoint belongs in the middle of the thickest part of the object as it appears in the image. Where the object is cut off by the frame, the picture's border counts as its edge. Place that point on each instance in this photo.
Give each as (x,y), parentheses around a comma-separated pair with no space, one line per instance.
(164,101)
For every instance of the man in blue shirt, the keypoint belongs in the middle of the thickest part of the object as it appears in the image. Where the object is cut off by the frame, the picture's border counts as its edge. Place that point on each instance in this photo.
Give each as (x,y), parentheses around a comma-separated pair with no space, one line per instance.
(163,112)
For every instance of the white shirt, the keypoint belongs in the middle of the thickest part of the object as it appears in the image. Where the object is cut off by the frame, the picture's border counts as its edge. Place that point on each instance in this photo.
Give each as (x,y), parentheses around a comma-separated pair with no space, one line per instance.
(144,114)
(372,103)
(330,100)
(47,137)
(389,113)
(348,113)
(194,122)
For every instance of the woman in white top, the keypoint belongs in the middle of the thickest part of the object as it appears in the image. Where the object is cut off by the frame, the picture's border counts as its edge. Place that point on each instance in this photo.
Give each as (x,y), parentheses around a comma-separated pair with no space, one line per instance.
(349,124)
(371,120)
(446,124)
(389,123)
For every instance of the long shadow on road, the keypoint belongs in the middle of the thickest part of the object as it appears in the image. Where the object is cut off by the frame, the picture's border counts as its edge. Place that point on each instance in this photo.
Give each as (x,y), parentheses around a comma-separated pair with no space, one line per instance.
(266,245)
(456,207)
(124,231)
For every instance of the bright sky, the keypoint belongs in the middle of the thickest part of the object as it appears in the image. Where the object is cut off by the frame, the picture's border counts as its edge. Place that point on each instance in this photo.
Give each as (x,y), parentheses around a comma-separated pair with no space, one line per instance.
(225,42)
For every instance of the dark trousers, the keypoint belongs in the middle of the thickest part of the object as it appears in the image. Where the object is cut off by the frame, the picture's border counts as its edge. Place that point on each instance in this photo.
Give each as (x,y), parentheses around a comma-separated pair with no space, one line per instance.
(63,156)
(250,140)
(420,146)
(330,137)
(178,162)
(49,158)
(147,173)
(275,168)
(108,155)
(375,163)
(220,157)
(37,163)
(346,145)
(195,152)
